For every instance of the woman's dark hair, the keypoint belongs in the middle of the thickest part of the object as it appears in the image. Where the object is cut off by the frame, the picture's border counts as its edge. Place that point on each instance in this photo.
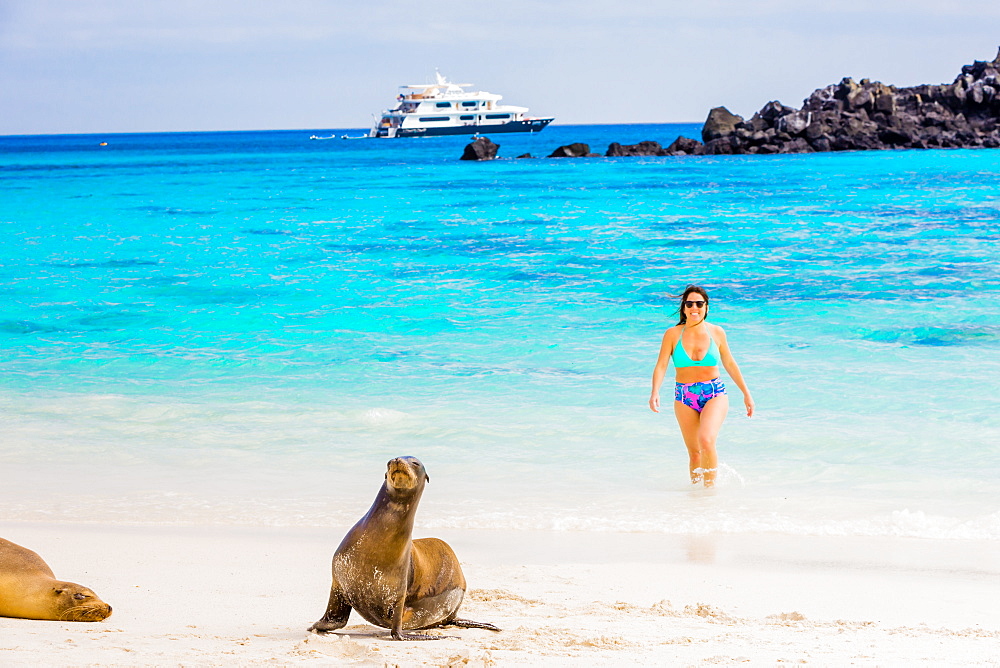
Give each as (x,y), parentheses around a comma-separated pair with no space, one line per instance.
(684,295)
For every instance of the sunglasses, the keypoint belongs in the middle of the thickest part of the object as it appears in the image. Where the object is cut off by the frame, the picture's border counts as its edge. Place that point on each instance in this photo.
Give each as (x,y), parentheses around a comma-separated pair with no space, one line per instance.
(689,304)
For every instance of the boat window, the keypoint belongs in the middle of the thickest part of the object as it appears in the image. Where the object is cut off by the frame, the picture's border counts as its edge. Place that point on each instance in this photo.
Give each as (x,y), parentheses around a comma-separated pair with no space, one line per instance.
(497,116)
(443,105)
(433,119)
(468,117)
(468,104)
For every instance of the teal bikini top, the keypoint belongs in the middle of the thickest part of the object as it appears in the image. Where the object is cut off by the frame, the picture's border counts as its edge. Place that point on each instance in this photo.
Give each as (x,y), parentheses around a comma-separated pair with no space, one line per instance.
(682,360)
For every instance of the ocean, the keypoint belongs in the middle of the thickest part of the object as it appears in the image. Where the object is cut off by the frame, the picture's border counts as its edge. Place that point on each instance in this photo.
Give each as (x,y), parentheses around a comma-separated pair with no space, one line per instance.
(242,328)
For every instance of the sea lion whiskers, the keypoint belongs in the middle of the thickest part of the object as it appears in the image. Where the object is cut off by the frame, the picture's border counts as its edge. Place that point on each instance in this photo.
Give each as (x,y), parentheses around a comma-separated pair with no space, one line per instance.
(71,615)
(77,613)
(86,612)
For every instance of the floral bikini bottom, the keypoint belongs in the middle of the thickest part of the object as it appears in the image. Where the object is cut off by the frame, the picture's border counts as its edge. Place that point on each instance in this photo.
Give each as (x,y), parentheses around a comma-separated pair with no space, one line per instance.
(696,395)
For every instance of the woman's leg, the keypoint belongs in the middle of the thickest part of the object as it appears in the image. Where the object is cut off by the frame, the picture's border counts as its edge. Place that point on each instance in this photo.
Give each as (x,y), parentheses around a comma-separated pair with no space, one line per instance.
(688,419)
(709,425)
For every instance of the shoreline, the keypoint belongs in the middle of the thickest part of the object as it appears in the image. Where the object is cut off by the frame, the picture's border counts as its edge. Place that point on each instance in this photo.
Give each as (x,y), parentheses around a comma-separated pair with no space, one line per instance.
(215,595)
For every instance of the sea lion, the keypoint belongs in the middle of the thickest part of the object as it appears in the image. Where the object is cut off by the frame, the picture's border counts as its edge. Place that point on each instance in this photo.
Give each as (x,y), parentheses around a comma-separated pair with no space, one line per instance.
(393,581)
(28,589)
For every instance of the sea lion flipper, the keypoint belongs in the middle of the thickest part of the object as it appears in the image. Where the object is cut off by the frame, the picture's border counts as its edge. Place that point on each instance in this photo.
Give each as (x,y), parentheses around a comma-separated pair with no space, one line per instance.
(399,612)
(337,611)
(399,635)
(469,624)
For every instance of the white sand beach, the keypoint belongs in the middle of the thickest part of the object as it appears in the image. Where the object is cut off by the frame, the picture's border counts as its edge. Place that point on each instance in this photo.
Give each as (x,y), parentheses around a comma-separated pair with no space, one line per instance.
(219,595)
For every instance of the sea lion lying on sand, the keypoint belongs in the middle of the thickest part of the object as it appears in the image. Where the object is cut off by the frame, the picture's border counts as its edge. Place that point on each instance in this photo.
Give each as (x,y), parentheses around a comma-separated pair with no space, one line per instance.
(28,589)
(391,580)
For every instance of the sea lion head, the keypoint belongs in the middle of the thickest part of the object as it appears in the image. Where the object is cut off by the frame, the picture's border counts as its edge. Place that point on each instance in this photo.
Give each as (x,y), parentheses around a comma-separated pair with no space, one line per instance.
(405,476)
(78,604)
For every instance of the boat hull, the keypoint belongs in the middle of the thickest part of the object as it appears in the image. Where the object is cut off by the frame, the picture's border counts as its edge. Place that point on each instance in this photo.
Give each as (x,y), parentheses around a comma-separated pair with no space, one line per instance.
(526,125)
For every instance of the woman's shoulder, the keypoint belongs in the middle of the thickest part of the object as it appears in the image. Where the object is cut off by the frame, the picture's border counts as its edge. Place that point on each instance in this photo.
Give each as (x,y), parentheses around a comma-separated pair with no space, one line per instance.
(671,335)
(716,331)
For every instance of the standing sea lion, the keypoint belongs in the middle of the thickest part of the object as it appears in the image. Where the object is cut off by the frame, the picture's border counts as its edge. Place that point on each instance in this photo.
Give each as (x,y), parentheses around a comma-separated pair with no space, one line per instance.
(29,590)
(391,580)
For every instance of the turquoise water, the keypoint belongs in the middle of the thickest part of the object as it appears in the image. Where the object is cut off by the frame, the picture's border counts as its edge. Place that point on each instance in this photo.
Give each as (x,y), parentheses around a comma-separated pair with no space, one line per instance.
(244,327)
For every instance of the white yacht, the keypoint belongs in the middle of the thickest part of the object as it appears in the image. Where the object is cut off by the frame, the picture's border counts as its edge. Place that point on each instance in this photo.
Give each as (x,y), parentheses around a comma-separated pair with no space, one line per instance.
(445,108)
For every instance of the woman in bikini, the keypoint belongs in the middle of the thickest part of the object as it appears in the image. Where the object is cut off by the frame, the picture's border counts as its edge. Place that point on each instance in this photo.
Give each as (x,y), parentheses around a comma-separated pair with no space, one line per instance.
(700,402)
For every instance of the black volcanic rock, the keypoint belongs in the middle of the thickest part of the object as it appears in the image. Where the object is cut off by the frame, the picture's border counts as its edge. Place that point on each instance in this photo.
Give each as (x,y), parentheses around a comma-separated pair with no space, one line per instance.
(867,115)
(720,122)
(576,150)
(685,146)
(481,149)
(616,150)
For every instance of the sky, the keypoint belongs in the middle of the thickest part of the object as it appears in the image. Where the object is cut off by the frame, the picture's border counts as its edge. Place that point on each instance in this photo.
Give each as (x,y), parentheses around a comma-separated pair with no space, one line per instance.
(108,66)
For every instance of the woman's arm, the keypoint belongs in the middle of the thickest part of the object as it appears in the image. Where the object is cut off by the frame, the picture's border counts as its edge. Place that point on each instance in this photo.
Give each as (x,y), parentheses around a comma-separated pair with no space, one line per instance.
(660,370)
(733,369)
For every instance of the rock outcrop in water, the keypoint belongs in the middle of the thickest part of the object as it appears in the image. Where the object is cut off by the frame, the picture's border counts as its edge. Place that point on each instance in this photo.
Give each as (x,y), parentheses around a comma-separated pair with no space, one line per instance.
(616,150)
(869,115)
(685,146)
(720,123)
(848,116)
(480,149)
(578,150)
